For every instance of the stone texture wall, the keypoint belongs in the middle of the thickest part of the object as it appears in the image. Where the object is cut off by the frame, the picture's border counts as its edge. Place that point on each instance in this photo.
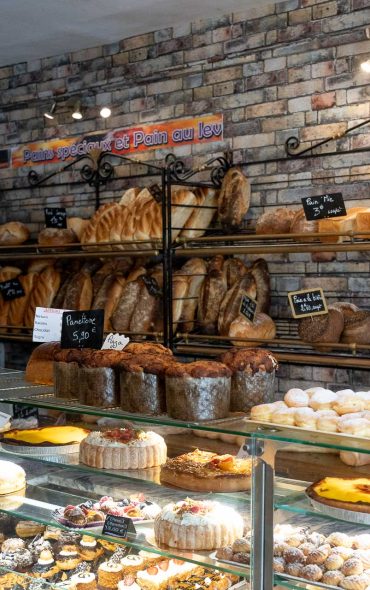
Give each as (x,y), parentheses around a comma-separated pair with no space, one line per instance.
(275,71)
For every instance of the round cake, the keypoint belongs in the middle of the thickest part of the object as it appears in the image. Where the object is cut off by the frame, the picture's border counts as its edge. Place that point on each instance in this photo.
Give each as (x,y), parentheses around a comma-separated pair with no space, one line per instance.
(12,478)
(348,493)
(123,448)
(197,525)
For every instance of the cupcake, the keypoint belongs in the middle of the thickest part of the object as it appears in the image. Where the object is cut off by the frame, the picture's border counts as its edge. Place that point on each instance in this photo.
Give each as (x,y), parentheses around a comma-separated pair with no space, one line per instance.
(84,581)
(68,557)
(89,549)
(46,567)
(109,574)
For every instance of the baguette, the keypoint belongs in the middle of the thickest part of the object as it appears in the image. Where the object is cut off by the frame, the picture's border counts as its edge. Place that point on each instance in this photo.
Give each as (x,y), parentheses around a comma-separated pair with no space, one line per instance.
(196,268)
(89,235)
(211,295)
(18,306)
(105,223)
(234,199)
(43,293)
(113,298)
(129,197)
(202,215)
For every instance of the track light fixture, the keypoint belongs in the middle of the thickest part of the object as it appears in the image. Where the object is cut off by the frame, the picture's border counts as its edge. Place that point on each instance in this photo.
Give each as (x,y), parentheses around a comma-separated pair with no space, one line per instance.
(365,66)
(77,114)
(105,112)
(50,113)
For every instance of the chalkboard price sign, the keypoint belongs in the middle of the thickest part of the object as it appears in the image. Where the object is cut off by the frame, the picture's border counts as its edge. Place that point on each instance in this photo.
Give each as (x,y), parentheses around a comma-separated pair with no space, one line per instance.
(248,307)
(156,192)
(152,286)
(55,217)
(82,329)
(324,206)
(11,289)
(24,412)
(118,526)
(308,302)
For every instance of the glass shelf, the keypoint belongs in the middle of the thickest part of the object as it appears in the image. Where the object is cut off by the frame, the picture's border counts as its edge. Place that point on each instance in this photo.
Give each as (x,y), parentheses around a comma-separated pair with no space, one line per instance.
(285,581)
(61,487)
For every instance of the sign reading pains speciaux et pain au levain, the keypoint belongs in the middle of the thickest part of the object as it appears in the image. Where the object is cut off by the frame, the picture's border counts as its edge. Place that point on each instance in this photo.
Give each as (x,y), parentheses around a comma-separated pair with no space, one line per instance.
(307,302)
(124,141)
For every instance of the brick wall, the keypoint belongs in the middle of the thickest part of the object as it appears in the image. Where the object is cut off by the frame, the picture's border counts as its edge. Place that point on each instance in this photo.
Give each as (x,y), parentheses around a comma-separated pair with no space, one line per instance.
(274,71)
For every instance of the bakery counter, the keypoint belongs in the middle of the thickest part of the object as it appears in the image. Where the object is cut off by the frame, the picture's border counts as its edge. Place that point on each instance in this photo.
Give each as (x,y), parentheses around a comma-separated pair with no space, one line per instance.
(54,497)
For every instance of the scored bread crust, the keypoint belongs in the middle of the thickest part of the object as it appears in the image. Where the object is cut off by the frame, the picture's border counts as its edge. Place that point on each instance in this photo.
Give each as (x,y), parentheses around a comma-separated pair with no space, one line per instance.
(196,269)
(14,232)
(202,215)
(43,293)
(230,305)
(234,198)
(261,275)
(18,307)
(211,294)
(89,235)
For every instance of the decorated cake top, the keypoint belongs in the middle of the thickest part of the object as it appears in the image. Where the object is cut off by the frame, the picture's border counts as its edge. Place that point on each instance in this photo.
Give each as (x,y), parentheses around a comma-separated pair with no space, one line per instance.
(190,512)
(123,437)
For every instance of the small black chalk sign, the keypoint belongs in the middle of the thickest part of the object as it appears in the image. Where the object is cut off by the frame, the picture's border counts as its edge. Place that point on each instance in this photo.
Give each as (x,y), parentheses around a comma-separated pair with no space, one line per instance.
(324,206)
(248,307)
(11,289)
(152,286)
(83,329)
(24,412)
(156,192)
(55,217)
(118,526)
(308,302)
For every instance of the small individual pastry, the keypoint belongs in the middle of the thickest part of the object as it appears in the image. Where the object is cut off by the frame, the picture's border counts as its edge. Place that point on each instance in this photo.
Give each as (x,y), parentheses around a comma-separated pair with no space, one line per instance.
(327,423)
(318,556)
(345,392)
(311,572)
(361,541)
(365,396)
(355,582)
(45,567)
(296,398)
(278,565)
(296,539)
(284,416)
(241,557)
(307,547)
(332,578)
(345,552)
(262,412)
(323,400)
(225,553)
(278,405)
(128,583)
(68,558)
(352,566)
(132,564)
(312,390)
(338,539)
(52,533)
(37,545)
(89,549)
(12,545)
(348,404)
(279,548)
(109,574)
(28,528)
(83,581)
(357,426)
(294,555)
(316,538)
(364,556)
(108,546)
(294,569)
(24,560)
(241,546)
(305,418)
(333,562)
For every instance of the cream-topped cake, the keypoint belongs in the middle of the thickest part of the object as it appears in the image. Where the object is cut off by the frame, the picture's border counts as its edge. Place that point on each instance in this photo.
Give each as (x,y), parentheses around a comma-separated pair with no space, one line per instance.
(12,477)
(123,448)
(201,525)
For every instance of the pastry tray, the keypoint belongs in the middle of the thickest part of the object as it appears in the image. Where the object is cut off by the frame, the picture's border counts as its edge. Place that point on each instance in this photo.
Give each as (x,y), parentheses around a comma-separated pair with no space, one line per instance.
(340,513)
(57,515)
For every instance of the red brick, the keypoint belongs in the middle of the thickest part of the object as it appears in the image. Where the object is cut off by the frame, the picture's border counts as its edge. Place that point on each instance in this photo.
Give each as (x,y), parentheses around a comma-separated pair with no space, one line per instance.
(323,101)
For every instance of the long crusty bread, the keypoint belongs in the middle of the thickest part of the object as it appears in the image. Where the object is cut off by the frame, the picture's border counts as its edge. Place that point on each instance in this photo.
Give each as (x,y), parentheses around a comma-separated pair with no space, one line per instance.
(261,275)
(196,269)
(17,307)
(122,314)
(79,292)
(43,293)
(202,215)
(180,286)
(211,294)
(180,213)
(230,305)
(89,235)
(6,273)
(234,199)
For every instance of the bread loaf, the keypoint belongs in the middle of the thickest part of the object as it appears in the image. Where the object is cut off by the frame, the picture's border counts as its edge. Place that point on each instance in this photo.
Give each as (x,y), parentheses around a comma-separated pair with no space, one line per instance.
(322,328)
(124,310)
(129,196)
(13,233)
(58,301)
(211,295)
(180,287)
(344,224)
(261,275)
(181,213)
(143,315)
(362,223)
(89,235)
(233,269)
(356,327)
(202,215)
(230,305)
(39,265)
(43,293)
(300,225)
(262,327)
(234,198)
(277,221)
(113,298)
(105,223)
(77,225)
(17,307)
(39,368)
(79,292)
(53,236)
(196,270)
(118,227)
(6,273)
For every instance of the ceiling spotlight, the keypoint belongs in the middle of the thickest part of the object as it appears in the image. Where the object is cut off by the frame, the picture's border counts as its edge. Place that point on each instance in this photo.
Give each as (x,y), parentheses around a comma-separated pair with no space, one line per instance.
(105,112)
(365,66)
(50,113)
(76,114)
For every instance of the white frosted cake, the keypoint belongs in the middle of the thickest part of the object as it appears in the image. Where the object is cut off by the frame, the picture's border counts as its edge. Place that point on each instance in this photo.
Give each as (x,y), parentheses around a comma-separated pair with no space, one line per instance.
(12,477)
(197,525)
(123,448)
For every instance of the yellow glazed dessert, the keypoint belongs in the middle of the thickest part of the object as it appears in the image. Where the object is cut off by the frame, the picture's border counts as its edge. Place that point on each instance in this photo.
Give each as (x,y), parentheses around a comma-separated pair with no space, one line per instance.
(346,493)
(49,436)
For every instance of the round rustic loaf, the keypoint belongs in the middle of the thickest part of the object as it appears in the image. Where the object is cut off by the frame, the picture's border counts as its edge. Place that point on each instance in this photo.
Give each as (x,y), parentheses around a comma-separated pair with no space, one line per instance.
(262,327)
(277,221)
(322,328)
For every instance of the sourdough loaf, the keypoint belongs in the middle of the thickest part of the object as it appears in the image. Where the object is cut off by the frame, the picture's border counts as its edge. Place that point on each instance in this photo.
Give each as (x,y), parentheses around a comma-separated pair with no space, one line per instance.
(212,292)
(262,327)
(300,225)
(43,293)
(277,221)
(13,233)
(230,305)
(234,199)
(196,271)
(233,269)
(53,236)
(260,273)
(322,328)
(202,215)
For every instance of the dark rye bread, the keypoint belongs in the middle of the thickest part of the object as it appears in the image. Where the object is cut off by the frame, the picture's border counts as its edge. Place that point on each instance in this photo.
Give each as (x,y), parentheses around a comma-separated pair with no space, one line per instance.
(322,328)
(249,360)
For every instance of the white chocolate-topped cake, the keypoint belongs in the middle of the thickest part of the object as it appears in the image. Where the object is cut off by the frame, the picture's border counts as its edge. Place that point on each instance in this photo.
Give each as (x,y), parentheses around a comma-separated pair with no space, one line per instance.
(12,477)
(123,448)
(197,525)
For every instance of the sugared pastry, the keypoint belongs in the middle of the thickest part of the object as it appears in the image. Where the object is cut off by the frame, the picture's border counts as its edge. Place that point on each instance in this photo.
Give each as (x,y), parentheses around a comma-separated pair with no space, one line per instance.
(332,578)
(24,560)
(132,564)
(305,418)
(296,398)
(89,549)
(323,400)
(262,412)
(344,552)
(109,574)
(311,572)
(361,541)
(205,471)
(352,566)
(241,546)
(191,524)
(365,396)
(12,545)
(46,567)
(338,539)
(327,423)
(294,569)
(28,528)
(294,555)
(333,562)
(12,477)
(83,581)
(344,493)
(316,538)
(364,556)
(278,565)
(355,582)
(123,448)
(284,416)
(128,583)
(307,547)
(68,558)
(348,404)
(357,426)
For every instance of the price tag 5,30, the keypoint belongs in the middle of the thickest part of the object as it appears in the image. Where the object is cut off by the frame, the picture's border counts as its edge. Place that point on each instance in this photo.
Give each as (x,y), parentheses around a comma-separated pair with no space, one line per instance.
(115,342)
